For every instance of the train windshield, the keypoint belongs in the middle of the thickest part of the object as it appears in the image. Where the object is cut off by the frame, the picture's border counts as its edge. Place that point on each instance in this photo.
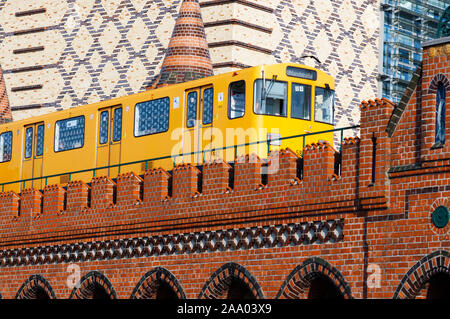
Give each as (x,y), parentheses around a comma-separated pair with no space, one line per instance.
(324,105)
(275,102)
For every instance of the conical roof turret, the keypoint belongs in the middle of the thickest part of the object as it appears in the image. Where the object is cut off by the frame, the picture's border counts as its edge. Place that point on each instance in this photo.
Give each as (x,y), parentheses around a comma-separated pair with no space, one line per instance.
(187,57)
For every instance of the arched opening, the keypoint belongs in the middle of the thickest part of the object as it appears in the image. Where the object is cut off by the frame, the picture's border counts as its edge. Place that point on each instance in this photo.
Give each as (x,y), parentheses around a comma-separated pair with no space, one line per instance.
(98,292)
(158,283)
(41,294)
(440,116)
(164,291)
(439,286)
(323,288)
(239,290)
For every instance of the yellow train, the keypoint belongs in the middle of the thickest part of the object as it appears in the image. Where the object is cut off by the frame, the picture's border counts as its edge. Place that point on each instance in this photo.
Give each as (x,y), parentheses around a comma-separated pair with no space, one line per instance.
(197,118)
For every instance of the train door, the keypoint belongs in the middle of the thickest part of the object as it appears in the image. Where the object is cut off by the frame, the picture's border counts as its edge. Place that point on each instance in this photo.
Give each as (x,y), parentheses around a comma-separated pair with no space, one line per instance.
(109,140)
(198,124)
(33,155)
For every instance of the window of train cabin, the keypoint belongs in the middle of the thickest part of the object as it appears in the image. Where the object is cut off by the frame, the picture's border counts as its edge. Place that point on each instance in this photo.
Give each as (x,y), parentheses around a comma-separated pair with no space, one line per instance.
(5,147)
(323,105)
(69,134)
(117,126)
(28,142)
(104,127)
(40,140)
(301,101)
(151,117)
(275,102)
(236,100)
(208,98)
(191,109)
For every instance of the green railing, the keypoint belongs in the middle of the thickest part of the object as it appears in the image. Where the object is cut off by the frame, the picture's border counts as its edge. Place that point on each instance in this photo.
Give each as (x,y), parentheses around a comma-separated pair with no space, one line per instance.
(174,157)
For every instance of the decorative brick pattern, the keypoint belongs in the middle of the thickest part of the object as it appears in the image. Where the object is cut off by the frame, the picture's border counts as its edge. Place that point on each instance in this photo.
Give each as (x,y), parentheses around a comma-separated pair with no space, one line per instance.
(97,49)
(5,110)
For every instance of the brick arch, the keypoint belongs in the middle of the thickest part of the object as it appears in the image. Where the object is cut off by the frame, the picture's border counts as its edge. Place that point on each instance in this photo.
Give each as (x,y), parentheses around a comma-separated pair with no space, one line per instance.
(88,283)
(435,82)
(415,279)
(300,279)
(221,279)
(29,289)
(150,282)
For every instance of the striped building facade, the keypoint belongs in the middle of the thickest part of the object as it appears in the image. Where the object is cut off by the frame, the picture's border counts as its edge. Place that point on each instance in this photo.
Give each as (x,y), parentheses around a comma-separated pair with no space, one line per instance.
(60,54)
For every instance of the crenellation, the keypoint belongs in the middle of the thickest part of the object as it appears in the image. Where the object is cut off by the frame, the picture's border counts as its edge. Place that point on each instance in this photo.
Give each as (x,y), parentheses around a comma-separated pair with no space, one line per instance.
(129,189)
(54,201)
(103,191)
(156,186)
(30,203)
(77,196)
(216,176)
(185,181)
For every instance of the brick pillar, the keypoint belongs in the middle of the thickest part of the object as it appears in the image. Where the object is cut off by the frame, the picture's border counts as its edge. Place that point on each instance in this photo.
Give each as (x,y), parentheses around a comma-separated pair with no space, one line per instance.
(54,197)
(128,189)
(282,168)
(30,203)
(9,205)
(77,196)
(156,185)
(102,194)
(216,177)
(247,173)
(318,163)
(185,181)
(375,151)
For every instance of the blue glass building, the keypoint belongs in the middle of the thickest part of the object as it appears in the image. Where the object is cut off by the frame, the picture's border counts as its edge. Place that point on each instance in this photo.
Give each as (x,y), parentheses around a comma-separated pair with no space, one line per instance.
(406,24)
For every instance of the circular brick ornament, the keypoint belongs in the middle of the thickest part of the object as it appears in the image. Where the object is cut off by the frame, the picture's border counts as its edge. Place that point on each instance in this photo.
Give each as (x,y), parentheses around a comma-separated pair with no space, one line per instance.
(440,217)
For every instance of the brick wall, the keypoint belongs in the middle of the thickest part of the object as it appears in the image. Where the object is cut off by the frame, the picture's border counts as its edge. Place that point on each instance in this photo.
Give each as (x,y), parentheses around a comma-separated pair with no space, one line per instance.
(371,230)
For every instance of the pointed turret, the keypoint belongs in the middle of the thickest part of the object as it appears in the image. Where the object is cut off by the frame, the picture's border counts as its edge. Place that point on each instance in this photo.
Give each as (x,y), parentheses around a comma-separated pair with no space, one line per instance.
(187,57)
(5,110)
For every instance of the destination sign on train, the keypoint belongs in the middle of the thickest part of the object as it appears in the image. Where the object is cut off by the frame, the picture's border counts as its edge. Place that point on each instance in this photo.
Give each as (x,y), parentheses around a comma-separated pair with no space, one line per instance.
(301,73)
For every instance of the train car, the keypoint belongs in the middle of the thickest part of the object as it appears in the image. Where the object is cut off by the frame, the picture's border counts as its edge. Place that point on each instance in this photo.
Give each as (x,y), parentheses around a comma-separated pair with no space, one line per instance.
(190,122)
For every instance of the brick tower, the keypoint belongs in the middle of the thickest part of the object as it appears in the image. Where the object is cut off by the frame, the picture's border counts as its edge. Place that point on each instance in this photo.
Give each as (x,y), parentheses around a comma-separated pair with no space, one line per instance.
(5,110)
(187,56)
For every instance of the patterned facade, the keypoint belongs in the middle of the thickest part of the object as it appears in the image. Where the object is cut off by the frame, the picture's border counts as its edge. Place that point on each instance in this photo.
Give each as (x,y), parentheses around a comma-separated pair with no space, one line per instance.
(61,54)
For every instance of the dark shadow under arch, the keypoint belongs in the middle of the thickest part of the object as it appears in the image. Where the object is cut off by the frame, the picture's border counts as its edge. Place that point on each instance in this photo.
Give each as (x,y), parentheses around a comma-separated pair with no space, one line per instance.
(421,273)
(318,274)
(94,285)
(158,283)
(231,281)
(36,287)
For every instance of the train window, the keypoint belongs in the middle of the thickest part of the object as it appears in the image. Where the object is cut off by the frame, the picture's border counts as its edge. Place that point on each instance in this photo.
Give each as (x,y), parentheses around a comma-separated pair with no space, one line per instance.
(40,140)
(324,105)
(151,117)
(69,134)
(28,142)
(275,102)
(301,101)
(208,98)
(5,147)
(236,102)
(104,127)
(191,109)
(117,127)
